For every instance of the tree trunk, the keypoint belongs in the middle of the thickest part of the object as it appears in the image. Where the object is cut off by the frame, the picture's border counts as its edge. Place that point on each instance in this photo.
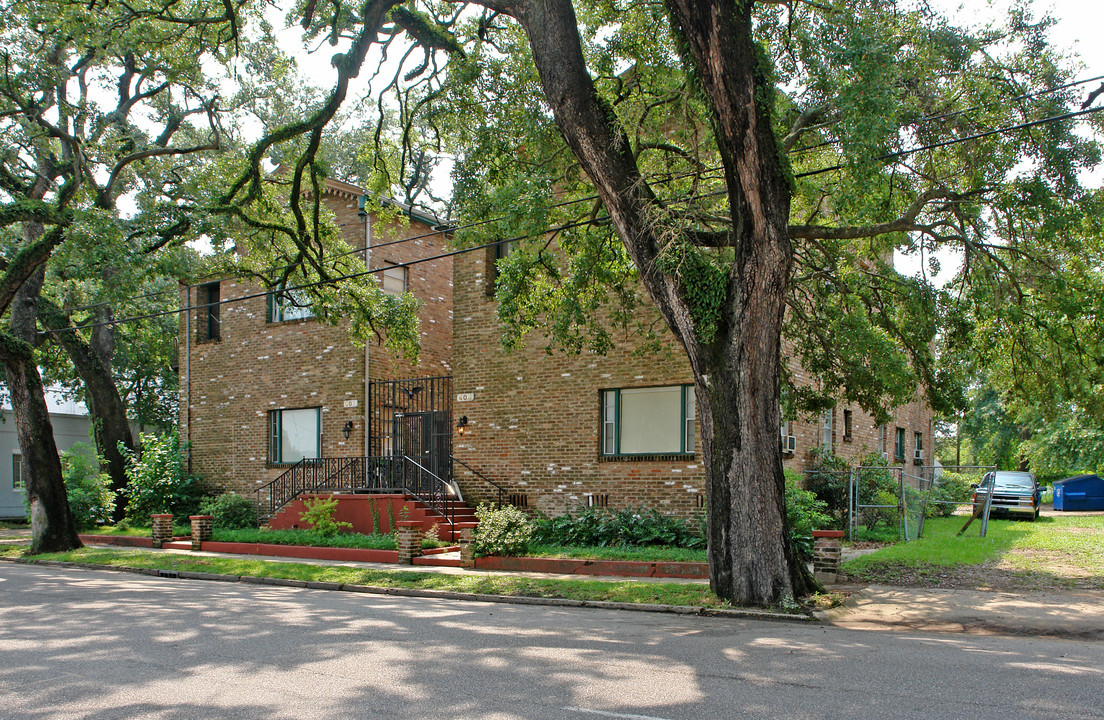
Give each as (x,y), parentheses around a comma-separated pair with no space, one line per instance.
(110,423)
(52,528)
(736,369)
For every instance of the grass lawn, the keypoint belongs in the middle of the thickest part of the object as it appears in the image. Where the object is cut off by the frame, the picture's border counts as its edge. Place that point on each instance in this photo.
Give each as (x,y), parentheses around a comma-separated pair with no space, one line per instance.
(693,595)
(1052,552)
(650,553)
(374,541)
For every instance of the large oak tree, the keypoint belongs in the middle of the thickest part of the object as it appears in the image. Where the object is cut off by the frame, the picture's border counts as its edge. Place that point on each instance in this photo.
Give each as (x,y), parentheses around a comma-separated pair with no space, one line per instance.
(752,165)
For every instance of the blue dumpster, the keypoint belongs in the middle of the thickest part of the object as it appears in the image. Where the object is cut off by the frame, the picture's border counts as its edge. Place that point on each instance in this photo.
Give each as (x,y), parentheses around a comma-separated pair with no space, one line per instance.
(1084,492)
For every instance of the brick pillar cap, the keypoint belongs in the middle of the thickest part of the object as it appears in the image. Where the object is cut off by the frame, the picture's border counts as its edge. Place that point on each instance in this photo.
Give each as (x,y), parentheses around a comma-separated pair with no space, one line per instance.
(409,523)
(201,517)
(827,533)
(161,515)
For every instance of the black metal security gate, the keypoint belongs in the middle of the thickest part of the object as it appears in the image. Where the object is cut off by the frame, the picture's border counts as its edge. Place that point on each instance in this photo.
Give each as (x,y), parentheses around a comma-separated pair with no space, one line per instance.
(413,419)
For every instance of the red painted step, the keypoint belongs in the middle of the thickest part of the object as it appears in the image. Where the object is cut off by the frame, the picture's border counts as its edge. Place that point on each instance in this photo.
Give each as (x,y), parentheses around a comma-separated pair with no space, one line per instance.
(363,512)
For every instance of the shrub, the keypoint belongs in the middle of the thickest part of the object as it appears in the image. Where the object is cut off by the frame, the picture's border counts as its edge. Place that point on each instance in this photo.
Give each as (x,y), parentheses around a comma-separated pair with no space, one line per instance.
(603,527)
(319,513)
(951,490)
(804,513)
(230,511)
(503,530)
(156,481)
(829,479)
(88,489)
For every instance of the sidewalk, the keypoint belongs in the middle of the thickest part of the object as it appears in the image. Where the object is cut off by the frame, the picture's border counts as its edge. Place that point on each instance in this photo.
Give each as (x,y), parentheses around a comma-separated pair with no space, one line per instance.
(1073,615)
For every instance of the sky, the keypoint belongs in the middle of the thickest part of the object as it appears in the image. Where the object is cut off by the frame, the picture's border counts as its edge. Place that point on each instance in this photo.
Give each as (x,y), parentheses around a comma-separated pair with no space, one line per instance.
(1078,30)
(1078,27)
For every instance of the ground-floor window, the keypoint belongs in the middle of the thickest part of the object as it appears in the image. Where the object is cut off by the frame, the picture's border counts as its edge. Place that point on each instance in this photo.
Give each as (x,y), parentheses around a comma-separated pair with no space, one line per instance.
(899,445)
(18,481)
(294,435)
(648,421)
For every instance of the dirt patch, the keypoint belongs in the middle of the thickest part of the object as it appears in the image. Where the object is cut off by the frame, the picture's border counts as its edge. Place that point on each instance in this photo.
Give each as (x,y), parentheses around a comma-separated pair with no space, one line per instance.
(998,576)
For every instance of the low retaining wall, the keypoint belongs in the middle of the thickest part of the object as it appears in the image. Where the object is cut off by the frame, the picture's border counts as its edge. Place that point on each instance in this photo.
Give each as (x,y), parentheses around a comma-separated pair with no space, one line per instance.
(304,552)
(557,566)
(618,568)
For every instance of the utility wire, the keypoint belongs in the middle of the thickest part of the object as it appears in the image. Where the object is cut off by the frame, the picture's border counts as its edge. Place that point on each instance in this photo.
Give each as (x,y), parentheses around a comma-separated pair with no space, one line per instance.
(955,113)
(442,228)
(566,226)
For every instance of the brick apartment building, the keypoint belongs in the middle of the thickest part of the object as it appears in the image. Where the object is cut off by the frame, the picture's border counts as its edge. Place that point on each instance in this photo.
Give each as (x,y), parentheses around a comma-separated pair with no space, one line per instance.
(559,431)
(264,384)
(262,389)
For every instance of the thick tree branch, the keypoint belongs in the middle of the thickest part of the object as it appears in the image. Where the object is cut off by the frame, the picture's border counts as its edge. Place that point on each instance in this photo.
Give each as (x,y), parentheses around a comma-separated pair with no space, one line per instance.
(905,223)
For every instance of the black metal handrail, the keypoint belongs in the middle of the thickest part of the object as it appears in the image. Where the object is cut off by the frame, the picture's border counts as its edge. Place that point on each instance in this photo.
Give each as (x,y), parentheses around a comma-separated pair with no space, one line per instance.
(352,474)
(429,488)
(312,475)
(501,490)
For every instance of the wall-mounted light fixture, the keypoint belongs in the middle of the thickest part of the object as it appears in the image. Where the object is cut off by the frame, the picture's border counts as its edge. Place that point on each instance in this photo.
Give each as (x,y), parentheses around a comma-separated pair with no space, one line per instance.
(462,424)
(347,430)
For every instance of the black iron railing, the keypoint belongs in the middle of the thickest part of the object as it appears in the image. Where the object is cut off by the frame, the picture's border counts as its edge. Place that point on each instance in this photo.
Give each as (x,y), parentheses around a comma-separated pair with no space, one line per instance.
(387,474)
(426,486)
(501,490)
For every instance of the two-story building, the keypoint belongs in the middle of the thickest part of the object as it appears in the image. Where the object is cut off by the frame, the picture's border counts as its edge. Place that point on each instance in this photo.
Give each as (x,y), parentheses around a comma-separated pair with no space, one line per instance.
(264,386)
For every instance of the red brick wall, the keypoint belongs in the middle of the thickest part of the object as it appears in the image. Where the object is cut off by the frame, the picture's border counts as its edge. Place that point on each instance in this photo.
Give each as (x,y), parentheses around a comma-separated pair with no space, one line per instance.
(534,419)
(258,366)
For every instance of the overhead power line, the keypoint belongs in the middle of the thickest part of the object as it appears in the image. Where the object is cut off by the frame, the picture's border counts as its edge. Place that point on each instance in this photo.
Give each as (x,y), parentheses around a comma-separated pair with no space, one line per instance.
(566,226)
(438,229)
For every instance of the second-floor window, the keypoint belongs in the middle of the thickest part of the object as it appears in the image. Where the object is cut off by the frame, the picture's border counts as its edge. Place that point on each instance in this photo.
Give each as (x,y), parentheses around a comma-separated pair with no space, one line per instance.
(210,327)
(393,279)
(285,305)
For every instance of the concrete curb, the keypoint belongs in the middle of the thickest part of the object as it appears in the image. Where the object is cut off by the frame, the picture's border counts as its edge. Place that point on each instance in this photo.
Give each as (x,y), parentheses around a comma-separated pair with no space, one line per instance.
(831,615)
(734,613)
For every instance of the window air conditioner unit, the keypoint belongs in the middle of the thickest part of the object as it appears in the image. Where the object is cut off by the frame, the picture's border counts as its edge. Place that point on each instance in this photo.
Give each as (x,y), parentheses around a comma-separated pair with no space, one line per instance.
(919,456)
(885,458)
(789,444)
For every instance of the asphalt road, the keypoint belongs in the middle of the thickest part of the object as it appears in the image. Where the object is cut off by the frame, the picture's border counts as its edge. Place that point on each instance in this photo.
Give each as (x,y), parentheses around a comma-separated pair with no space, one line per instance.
(92,644)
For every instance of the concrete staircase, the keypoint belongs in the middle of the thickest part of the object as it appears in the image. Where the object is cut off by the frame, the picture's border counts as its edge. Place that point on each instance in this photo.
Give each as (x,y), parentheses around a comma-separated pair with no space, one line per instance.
(374,513)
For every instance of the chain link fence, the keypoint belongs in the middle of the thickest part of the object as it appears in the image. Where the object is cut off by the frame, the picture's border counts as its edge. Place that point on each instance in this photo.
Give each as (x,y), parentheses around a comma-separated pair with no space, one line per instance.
(887,503)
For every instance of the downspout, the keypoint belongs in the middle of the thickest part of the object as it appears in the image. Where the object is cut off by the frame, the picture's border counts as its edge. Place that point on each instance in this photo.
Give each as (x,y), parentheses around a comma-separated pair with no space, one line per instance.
(188,372)
(367,218)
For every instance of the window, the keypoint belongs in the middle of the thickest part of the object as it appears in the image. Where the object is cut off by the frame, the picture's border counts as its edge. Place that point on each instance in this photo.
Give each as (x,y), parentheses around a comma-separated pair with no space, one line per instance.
(286,305)
(18,481)
(826,430)
(393,280)
(918,440)
(899,445)
(648,421)
(209,298)
(789,442)
(294,435)
(494,254)
(847,418)
(880,431)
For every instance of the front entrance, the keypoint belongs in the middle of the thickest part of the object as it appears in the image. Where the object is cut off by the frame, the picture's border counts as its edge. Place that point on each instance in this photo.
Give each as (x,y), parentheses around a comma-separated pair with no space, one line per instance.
(425,438)
(413,419)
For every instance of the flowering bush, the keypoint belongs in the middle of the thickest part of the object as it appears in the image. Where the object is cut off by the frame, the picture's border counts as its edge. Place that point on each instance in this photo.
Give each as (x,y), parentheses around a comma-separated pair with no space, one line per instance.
(503,530)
